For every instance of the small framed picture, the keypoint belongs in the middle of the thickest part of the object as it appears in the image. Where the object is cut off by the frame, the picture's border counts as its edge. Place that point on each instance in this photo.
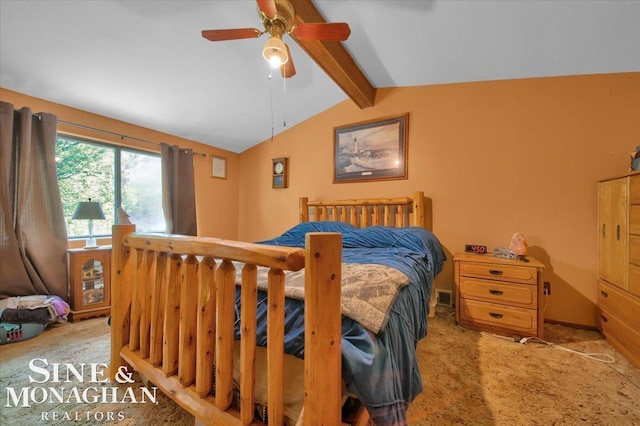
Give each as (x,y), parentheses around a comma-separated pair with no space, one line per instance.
(218,167)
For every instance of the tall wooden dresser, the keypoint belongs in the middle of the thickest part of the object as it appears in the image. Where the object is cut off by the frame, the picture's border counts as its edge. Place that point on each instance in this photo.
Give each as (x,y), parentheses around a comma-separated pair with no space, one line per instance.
(619,263)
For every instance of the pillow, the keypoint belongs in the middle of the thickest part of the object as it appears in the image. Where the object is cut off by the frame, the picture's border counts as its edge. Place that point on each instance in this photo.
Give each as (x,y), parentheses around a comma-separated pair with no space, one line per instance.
(415,239)
(294,237)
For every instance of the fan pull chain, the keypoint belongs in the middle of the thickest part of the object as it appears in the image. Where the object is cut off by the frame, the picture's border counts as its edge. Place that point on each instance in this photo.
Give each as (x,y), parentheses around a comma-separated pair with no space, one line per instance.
(284,105)
(271,104)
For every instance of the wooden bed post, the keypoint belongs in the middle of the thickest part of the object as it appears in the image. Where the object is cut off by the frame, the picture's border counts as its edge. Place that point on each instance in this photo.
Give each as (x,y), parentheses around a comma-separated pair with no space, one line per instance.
(121,273)
(418,210)
(323,329)
(304,210)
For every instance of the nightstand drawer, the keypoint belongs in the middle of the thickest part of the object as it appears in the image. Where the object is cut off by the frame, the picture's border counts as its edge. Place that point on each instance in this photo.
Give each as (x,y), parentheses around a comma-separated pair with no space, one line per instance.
(499,292)
(498,272)
(498,316)
(610,298)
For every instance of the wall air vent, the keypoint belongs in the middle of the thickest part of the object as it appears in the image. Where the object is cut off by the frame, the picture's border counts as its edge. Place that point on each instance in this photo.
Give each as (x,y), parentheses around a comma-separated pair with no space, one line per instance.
(444,297)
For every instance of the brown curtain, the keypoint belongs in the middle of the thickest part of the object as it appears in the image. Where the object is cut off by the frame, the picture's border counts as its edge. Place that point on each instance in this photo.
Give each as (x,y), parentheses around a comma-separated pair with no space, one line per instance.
(178,190)
(33,235)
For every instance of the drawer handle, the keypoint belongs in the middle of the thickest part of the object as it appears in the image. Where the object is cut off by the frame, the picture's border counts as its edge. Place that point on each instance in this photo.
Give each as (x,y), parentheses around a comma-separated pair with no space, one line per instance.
(496,292)
(618,232)
(604,319)
(494,315)
(495,272)
(604,293)
(604,230)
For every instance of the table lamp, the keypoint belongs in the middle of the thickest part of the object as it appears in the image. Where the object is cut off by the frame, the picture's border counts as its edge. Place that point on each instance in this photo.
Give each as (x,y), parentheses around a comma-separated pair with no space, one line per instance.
(89,210)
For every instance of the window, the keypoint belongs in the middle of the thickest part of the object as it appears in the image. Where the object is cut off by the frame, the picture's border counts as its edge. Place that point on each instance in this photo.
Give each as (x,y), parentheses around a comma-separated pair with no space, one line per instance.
(141,189)
(114,176)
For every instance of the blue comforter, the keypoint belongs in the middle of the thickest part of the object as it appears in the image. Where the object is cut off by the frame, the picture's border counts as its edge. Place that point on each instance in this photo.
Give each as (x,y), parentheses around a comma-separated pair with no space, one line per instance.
(381,369)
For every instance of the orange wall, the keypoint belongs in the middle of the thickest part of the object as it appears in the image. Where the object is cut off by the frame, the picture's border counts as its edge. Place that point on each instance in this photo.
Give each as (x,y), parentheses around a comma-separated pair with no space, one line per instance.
(215,218)
(495,157)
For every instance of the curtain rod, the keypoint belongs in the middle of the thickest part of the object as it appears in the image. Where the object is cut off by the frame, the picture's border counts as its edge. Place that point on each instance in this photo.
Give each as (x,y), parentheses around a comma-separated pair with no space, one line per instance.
(121,136)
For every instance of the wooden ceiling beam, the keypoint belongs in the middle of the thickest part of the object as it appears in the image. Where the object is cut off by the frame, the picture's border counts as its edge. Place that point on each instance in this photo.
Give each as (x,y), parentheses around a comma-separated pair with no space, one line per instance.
(334,58)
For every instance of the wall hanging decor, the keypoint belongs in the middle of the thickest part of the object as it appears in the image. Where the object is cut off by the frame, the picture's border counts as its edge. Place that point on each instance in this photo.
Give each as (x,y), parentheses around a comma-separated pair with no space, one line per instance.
(371,150)
(218,167)
(280,172)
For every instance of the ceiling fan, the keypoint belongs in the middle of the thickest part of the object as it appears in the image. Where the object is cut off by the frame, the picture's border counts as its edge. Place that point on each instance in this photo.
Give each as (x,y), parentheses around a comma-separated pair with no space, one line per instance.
(277,17)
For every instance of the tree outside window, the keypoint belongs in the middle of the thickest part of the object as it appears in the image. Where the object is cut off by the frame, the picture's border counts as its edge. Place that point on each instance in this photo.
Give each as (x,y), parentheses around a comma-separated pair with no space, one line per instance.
(113,176)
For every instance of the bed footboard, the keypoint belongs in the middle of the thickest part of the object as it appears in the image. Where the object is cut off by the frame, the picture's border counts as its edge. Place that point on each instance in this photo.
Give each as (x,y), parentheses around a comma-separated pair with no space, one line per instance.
(173,312)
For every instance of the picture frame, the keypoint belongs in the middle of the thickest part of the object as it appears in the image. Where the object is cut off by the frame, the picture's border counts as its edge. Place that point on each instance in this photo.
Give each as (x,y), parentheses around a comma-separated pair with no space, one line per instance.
(218,167)
(371,150)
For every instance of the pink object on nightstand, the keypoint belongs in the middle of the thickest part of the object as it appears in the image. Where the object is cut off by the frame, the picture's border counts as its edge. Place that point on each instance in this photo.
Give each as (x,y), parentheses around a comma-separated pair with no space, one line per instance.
(519,244)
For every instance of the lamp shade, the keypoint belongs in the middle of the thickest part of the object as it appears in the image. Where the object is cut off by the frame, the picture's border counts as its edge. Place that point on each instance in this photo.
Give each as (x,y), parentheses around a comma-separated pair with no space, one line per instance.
(275,51)
(88,210)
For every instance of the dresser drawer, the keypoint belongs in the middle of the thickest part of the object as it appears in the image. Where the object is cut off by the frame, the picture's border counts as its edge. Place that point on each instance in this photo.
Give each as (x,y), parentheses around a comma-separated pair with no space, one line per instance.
(621,335)
(634,219)
(621,303)
(499,292)
(634,189)
(634,249)
(634,280)
(518,320)
(502,272)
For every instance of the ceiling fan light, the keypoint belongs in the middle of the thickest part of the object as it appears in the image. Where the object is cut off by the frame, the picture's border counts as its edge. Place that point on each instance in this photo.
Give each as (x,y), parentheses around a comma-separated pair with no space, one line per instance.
(275,61)
(275,51)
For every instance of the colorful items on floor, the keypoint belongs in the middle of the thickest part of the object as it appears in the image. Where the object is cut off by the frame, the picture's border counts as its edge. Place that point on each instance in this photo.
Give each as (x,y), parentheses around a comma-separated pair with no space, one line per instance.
(25,317)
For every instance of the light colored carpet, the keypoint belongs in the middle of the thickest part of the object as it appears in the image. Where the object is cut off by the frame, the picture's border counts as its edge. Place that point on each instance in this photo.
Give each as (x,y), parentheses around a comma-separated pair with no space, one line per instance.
(473,378)
(470,378)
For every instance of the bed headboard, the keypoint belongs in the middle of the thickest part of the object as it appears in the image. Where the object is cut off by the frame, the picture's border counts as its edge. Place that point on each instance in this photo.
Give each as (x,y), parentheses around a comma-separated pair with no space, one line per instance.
(397,212)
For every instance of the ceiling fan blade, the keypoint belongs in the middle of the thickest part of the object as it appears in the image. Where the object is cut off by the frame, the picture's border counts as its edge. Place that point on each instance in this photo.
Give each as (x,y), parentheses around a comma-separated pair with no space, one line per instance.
(234,34)
(338,31)
(268,7)
(287,69)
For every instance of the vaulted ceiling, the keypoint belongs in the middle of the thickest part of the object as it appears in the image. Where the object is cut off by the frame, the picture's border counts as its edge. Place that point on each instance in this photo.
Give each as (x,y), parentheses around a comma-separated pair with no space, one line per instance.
(145,62)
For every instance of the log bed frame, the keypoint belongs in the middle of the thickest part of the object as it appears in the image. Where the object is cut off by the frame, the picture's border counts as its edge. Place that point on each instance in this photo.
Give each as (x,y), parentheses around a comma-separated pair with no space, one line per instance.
(172,312)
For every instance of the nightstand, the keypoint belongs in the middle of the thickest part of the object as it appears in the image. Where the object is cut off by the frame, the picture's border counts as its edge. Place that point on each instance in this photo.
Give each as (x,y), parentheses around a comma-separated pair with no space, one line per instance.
(89,273)
(498,295)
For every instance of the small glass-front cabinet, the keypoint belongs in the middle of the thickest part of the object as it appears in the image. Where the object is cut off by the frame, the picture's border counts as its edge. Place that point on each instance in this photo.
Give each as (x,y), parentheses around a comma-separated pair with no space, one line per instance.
(89,282)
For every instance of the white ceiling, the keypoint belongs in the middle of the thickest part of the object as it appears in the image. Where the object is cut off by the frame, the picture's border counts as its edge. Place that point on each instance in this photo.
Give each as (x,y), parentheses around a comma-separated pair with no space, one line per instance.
(145,62)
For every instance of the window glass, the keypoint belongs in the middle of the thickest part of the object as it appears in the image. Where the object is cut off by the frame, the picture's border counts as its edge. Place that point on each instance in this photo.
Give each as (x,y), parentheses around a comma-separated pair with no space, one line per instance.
(112,176)
(142,190)
(86,170)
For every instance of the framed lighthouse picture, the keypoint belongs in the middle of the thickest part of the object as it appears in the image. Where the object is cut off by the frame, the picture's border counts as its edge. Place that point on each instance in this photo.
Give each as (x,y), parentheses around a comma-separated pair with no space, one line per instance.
(371,150)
